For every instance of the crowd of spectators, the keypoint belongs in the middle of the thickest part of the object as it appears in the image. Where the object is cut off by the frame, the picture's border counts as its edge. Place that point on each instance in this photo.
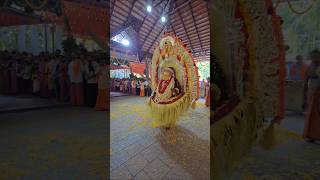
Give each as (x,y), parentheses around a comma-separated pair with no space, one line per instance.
(80,78)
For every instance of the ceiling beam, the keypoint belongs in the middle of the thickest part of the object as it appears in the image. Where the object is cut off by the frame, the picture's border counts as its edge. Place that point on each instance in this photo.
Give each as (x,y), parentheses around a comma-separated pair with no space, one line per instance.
(194,22)
(180,6)
(154,41)
(127,22)
(114,4)
(185,29)
(147,14)
(171,27)
(154,23)
(131,8)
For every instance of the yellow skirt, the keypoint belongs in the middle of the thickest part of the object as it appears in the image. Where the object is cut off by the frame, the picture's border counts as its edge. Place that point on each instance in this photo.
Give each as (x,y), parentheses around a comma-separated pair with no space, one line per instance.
(167,115)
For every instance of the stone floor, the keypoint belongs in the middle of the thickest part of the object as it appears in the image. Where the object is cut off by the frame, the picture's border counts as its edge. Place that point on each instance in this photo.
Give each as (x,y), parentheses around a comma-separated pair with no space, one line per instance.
(22,103)
(292,159)
(117,94)
(139,151)
(59,143)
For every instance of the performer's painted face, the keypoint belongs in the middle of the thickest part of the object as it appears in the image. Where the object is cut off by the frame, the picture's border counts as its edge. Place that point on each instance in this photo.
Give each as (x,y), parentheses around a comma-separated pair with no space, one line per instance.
(166,75)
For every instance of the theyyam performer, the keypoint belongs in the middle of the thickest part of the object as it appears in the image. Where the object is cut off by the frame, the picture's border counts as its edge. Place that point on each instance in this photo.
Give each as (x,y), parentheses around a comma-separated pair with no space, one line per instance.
(175,82)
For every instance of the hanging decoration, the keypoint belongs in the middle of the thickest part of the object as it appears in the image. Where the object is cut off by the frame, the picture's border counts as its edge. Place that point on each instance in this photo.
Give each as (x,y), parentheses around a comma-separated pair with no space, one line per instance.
(265,57)
(81,17)
(11,19)
(36,7)
(300,12)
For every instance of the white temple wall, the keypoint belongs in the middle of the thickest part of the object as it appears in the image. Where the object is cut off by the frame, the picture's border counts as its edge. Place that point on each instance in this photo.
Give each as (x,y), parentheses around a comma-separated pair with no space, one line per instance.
(31,38)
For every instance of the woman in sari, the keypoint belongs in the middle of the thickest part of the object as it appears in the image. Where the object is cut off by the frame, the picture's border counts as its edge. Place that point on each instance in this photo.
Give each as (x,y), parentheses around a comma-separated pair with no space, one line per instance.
(312,97)
(63,80)
(142,89)
(102,99)
(133,86)
(43,77)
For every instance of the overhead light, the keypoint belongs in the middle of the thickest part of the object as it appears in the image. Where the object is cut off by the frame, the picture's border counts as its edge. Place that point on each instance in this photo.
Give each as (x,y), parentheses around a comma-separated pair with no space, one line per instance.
(149,8)
(163,19)
(125,42)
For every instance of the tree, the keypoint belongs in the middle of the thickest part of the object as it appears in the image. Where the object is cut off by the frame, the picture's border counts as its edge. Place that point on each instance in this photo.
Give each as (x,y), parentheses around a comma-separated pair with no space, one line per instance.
(301,31)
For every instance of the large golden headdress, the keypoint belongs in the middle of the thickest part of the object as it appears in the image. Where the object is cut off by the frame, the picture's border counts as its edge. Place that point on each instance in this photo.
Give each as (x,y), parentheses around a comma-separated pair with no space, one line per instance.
(172,53)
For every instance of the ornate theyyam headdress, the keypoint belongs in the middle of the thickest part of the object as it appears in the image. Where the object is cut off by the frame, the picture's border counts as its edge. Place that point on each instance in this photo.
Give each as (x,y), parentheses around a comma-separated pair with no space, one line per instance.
(166,40)
(170,70)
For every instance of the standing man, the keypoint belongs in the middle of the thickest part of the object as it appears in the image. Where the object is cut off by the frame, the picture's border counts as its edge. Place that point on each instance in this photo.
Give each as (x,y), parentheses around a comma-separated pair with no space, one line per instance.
(26,74)
(91,71)
(202,88)
(51,70)
(148,89)
(75,71)
(138,87)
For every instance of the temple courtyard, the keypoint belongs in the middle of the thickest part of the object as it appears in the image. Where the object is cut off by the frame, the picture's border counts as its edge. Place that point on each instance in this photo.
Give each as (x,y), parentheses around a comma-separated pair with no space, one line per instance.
(291,159)
(64,142)
(141,151)
(44,141)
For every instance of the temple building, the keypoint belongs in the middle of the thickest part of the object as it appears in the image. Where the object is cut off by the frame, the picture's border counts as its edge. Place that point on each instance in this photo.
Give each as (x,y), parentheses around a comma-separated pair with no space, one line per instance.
(149,38)
(160,89)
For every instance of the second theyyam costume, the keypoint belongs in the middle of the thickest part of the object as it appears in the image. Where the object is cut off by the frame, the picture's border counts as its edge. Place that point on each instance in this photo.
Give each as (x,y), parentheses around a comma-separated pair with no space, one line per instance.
(175,82)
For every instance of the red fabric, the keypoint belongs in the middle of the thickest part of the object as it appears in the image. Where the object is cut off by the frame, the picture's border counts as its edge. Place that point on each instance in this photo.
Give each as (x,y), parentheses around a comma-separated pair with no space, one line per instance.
(162,87)
(137,68)
(293,71)
(84,18)
(11,19)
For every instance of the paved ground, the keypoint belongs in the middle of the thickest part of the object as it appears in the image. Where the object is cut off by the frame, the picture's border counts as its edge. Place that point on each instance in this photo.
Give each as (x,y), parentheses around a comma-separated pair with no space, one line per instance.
(139,151)
(117,94)
(20,103)
(291,159)
(59,143)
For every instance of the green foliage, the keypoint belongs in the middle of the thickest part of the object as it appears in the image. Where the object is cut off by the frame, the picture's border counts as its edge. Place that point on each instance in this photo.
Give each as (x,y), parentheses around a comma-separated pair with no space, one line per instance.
(70,46)
(54,6)
(204,69)
(28,10)
(301,31)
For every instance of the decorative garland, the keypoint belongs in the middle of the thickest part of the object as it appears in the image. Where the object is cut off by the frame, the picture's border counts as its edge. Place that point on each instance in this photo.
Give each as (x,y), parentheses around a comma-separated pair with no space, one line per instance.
(240,120)
(39,7)
(264,55)
(19,3)
(302,12)
(276,21)
(277,4)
